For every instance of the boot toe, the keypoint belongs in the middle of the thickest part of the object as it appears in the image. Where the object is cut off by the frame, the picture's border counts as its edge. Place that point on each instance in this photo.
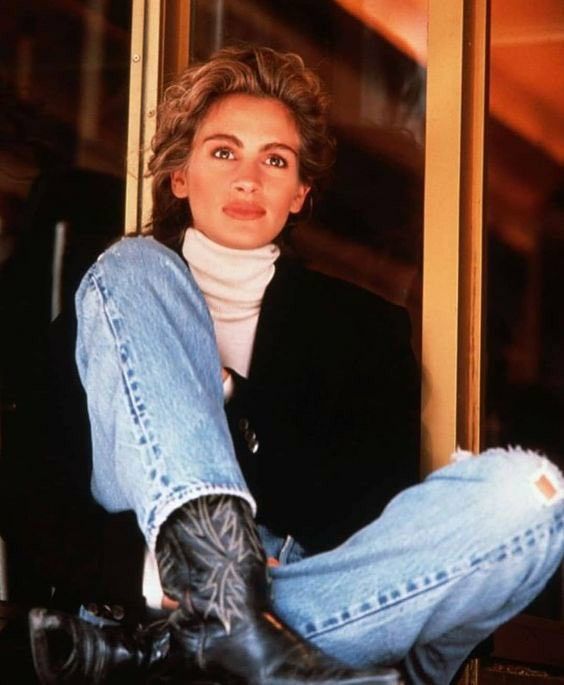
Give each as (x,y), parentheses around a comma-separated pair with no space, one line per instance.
(52,645)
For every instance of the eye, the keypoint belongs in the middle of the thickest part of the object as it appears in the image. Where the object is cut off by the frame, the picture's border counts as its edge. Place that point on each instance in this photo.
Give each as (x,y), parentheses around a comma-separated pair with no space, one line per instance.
(276,161)
(223,153)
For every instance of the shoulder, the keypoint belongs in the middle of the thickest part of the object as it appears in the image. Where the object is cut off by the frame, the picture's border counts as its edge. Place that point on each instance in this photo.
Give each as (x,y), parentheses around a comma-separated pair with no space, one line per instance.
(318,295)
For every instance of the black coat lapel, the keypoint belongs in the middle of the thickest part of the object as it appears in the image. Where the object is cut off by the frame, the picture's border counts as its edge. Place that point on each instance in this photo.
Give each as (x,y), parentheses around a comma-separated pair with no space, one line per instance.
(276,314)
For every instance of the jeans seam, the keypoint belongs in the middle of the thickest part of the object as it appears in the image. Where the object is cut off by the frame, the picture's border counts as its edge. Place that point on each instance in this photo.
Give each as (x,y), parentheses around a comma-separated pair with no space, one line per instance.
(409,589)
(138,410)
(128,373)
(286,549)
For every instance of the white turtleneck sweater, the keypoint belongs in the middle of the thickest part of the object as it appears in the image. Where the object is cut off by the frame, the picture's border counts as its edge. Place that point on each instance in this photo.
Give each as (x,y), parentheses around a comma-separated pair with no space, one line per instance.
(233,284)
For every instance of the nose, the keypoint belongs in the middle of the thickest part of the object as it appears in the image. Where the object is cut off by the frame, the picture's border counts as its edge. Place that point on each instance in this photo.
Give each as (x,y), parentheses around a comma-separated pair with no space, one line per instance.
(247,179)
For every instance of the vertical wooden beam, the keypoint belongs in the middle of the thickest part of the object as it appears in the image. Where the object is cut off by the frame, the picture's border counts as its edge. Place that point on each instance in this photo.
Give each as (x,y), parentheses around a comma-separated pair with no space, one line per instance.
(475,80)
(91,76)
(144,86)
(176,45)
(3,573)
(452,276)
(160,36)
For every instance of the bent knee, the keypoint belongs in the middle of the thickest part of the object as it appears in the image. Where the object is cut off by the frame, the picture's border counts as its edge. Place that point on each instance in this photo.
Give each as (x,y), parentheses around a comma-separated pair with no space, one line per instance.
(513,483)
(514,466)
(136,261)
(136,248)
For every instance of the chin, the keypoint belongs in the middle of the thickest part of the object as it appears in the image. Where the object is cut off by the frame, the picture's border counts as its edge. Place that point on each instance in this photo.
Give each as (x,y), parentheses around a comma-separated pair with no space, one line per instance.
(243,241)
(240,237)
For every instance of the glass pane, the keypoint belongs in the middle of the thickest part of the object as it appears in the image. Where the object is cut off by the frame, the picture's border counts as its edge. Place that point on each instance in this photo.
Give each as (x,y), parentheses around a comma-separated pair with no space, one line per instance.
(64,74)
(367,226)
(525,196)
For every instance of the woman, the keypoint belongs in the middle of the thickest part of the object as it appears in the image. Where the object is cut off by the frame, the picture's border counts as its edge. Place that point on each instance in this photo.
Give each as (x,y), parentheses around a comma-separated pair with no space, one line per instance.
(317,430)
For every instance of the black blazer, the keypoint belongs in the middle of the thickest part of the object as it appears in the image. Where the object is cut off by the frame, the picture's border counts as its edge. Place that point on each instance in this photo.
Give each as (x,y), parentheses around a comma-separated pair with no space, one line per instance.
(326,429)
(333,397)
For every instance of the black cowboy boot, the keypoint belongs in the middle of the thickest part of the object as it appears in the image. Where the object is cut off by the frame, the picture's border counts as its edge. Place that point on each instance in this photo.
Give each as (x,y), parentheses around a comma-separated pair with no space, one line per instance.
(211,561)
(66,649)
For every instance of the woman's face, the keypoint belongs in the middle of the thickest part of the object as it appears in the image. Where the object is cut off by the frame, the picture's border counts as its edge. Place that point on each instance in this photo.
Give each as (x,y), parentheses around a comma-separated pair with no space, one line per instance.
(242,179)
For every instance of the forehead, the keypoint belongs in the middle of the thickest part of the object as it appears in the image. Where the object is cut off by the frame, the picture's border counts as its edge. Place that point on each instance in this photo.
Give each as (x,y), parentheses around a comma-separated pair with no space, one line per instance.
(238,114)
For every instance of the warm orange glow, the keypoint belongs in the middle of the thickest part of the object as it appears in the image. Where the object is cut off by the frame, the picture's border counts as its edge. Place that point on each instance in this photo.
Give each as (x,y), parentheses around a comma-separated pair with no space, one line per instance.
(402,22)
(527,70)
(527,59)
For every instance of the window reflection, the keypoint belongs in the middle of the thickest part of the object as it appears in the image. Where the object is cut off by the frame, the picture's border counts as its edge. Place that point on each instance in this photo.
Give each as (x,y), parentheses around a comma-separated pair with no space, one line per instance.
(64,71)
(525,232)
(525,380)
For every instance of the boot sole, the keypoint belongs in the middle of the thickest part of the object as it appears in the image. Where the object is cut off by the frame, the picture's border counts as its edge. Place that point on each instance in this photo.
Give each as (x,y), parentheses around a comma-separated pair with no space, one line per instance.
(388,679)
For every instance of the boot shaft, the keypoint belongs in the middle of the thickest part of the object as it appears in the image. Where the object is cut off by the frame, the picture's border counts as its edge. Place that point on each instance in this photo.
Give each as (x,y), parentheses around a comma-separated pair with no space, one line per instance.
(211,560)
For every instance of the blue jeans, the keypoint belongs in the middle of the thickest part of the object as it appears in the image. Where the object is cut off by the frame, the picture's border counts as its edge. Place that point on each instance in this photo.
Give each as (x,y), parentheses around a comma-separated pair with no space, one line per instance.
(446,562)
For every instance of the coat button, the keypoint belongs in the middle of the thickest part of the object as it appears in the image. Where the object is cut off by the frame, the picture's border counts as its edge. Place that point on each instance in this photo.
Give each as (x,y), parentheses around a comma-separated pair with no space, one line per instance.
(249,435)
(252,442)
(118,612)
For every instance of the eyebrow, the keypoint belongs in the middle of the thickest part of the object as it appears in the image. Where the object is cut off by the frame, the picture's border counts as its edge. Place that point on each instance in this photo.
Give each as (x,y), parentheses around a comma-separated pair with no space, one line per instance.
(238,143)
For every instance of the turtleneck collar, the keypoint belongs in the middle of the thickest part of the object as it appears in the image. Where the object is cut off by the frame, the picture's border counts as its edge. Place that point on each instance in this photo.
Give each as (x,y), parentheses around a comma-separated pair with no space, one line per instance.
(233,281)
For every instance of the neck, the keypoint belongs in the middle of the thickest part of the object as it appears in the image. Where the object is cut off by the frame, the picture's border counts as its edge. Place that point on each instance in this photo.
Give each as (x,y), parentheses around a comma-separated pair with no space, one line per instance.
(233,283)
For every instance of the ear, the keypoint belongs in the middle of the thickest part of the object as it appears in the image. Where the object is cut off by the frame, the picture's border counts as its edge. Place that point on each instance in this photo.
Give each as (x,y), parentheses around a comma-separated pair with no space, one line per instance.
(299,199)
(179,183)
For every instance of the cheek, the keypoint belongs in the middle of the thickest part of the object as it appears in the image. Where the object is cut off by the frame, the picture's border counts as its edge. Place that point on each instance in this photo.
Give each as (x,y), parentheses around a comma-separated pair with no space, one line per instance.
(284,198)
(199,191)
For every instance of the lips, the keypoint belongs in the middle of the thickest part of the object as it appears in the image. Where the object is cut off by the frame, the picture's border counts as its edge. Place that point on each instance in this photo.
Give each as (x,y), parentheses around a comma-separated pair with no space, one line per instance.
(244,211)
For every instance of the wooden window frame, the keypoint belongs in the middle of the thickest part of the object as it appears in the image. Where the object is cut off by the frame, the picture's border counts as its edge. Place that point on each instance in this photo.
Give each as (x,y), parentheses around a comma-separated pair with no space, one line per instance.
(452,307)
(452,304)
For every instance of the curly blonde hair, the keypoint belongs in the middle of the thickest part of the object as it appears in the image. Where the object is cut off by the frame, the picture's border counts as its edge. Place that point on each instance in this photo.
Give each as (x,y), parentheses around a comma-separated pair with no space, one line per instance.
(257,71)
